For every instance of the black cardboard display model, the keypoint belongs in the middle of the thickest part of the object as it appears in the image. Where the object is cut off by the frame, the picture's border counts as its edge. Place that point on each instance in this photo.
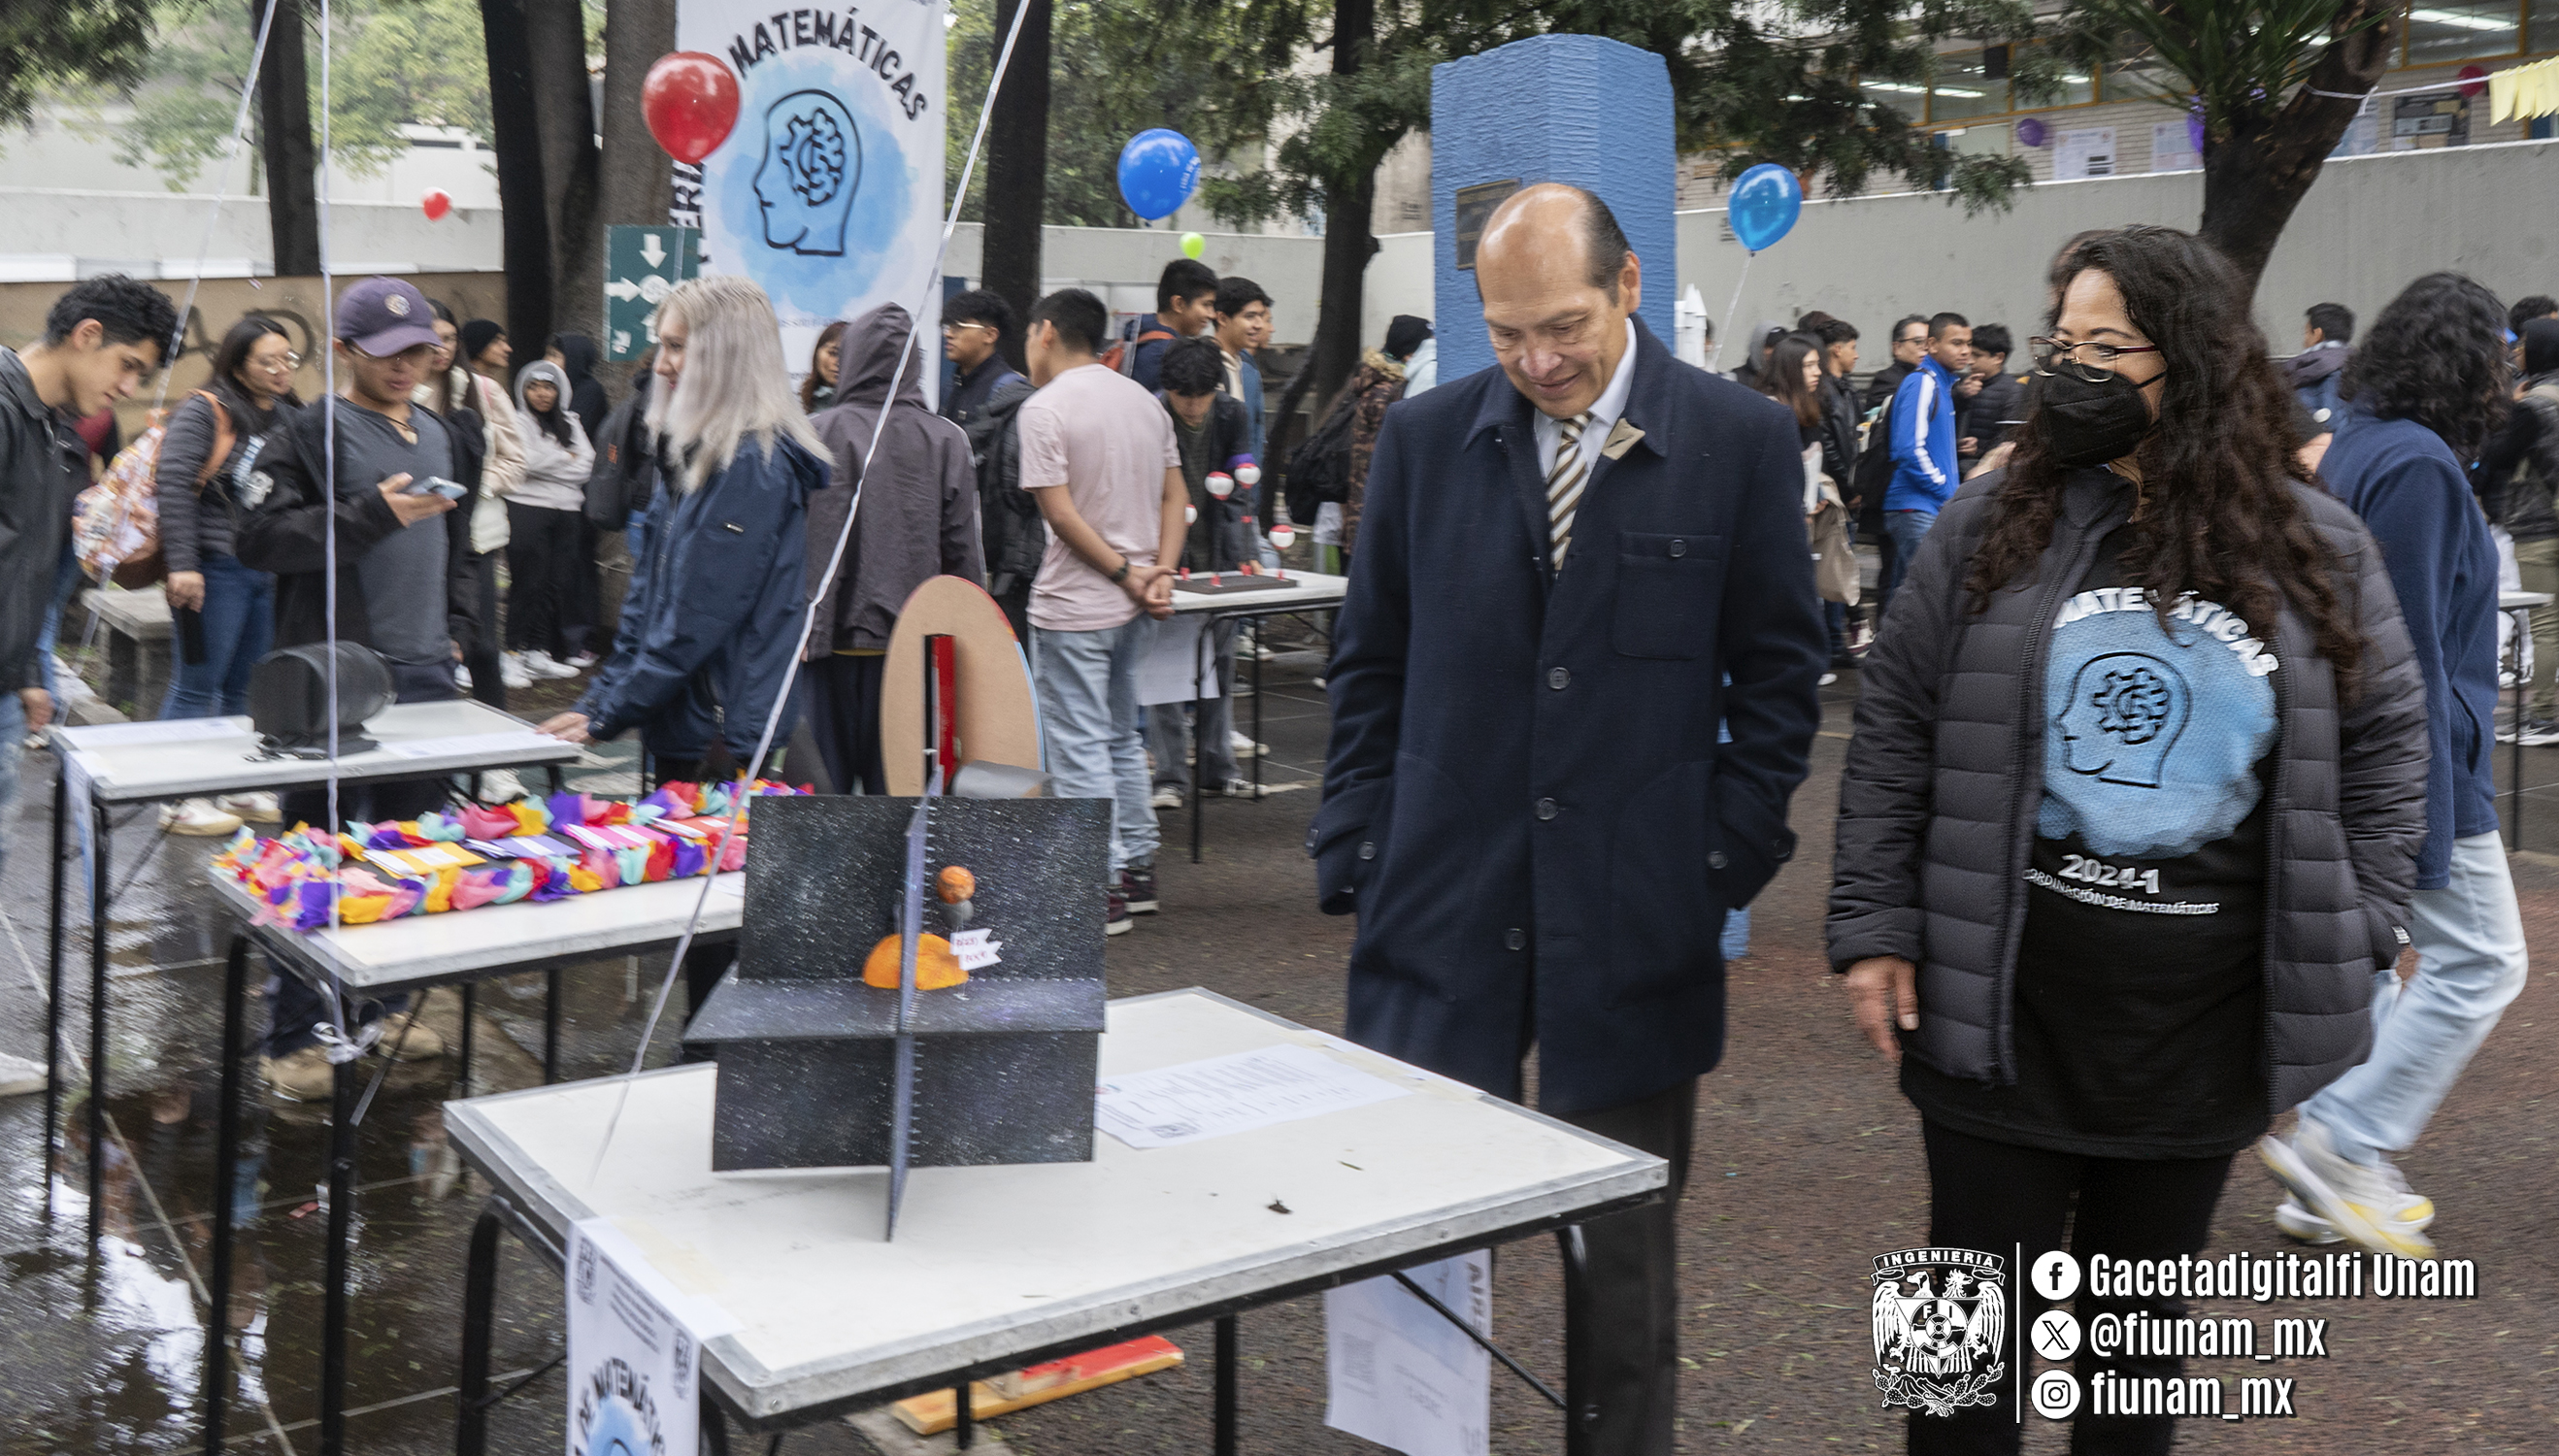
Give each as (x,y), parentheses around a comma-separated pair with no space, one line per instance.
(1002,1066)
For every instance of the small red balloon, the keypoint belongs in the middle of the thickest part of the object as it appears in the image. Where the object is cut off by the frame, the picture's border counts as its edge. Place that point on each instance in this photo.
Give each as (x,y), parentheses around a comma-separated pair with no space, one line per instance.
(2473,80)
(689,101)
(437,202)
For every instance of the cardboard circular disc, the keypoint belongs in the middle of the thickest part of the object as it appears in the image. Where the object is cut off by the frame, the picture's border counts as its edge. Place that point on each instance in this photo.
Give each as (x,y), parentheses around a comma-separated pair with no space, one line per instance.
(998,722)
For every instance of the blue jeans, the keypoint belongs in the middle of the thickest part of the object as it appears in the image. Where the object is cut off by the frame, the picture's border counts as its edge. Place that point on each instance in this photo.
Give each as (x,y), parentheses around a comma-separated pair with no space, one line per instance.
(2470,961)
(238,623)
(1906,529)
(1088,696)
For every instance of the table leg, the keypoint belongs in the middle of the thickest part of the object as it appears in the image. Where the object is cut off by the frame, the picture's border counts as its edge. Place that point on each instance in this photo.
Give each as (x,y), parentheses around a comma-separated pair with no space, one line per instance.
(1227,1360)
(470,1003)
(964,1434)
(342,1201)
(550,1026)
(1199,749)
(1581,1387)
(1257,624)
(53,984)
(479,1333)
(2515,769)
(217,1319)
(100,876)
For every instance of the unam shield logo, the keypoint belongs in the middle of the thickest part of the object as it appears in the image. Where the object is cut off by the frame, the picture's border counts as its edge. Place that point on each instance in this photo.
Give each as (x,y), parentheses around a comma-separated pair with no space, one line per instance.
(1940,1328)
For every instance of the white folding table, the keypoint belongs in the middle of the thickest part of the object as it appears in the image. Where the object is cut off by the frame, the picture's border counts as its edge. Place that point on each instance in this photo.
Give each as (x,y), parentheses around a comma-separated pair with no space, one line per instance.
(414,954)
(998,1267)
(111,764)
(1260,596)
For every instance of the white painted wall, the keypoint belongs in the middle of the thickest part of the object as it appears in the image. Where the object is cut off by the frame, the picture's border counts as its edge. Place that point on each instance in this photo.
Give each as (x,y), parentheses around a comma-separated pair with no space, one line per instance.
(59,233)
(2366,229)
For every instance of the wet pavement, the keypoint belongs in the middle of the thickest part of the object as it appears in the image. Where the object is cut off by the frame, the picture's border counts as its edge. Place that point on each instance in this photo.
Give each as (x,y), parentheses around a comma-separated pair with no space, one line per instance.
(1808,1165)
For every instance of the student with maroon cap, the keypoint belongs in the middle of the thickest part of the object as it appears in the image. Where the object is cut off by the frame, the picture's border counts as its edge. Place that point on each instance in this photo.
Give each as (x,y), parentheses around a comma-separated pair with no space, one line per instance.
(354,465)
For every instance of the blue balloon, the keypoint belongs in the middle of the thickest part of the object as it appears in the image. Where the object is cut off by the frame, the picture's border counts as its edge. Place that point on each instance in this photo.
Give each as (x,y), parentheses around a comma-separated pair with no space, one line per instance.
(1157,170)
(1764,206)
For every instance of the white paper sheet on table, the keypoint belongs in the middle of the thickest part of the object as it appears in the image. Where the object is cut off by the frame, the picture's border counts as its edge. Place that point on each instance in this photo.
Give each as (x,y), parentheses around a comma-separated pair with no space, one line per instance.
(1170,671)
(527,741)
(163,730)
(1399,1374)
(1231,1093)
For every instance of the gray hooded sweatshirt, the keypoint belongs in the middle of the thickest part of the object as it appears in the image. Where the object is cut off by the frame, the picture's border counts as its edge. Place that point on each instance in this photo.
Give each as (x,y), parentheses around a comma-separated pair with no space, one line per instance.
(919,513)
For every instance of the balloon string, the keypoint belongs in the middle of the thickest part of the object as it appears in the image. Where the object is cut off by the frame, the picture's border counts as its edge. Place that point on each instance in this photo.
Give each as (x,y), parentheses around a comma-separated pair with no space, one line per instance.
(1731,310)
(809,621)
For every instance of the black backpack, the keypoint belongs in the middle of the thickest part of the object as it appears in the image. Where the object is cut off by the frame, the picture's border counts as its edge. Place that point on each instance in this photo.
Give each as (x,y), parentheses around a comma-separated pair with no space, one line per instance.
(1320,469)
(624,477)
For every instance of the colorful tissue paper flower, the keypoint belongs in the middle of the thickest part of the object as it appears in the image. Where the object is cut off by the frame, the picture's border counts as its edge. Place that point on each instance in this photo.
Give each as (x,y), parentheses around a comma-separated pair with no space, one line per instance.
(733,856)
(567,809)
(473,888)
(520,882)
(440,829)
(439,896)
(661,858)
(633,865)
(487,823)
(362,910)
(530,818)
(688,859)
(552,883)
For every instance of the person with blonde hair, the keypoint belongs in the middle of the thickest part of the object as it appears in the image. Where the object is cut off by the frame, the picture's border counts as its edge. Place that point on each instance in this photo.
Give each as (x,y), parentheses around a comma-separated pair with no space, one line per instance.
(714,614)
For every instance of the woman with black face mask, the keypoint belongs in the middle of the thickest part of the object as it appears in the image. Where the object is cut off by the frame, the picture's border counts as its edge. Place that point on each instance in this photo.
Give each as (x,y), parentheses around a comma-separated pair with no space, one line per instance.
(2131,814)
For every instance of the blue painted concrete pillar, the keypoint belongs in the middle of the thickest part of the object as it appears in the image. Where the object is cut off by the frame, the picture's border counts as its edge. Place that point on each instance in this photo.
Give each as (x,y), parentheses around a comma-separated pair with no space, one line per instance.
(1582,110)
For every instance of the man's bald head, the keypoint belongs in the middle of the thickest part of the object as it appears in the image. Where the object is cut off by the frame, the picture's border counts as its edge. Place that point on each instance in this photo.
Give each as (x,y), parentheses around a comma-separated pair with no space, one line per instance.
(1545,215)
(1557,281)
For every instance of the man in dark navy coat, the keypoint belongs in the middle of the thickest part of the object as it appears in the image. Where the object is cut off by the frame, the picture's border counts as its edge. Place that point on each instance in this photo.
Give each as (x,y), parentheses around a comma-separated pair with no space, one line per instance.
(1571,568)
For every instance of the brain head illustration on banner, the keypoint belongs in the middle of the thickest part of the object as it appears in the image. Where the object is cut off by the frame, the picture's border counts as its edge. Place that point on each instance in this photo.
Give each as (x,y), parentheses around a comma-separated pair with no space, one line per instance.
(811,174)
(827,193)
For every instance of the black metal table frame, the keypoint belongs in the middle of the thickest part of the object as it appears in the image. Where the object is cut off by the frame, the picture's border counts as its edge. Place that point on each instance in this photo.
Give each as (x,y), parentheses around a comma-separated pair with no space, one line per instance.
(480,1300)
(1210,619)
(285,951)
(101,896)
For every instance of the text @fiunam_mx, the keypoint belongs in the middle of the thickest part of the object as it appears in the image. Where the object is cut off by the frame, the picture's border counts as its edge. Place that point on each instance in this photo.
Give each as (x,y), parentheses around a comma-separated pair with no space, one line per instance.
(2056,1335)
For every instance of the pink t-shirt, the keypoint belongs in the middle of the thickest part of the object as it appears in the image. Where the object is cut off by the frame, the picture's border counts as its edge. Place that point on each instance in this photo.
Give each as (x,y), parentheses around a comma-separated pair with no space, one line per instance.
(1108,442)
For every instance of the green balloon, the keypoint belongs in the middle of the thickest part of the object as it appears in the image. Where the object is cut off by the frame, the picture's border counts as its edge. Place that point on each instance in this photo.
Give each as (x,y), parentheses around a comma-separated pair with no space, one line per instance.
(1193,245)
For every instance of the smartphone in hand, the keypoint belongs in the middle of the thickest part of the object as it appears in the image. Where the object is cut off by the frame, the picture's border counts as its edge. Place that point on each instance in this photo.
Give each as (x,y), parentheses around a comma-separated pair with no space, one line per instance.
(437,484)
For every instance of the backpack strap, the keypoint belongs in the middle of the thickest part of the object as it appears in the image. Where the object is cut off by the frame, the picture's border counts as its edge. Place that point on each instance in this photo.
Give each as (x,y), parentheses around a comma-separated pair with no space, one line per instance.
(225,438)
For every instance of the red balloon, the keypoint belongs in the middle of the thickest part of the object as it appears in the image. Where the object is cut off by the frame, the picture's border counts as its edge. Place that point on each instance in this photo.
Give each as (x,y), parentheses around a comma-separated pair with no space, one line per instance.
(690,103)
(437,202)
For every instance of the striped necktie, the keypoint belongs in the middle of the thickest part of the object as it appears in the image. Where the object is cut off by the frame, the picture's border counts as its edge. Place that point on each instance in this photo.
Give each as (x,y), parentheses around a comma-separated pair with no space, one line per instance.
(1563,485)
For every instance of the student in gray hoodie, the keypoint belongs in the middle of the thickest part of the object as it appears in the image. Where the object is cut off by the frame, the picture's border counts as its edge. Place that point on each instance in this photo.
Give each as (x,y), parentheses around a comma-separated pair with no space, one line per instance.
(918,520)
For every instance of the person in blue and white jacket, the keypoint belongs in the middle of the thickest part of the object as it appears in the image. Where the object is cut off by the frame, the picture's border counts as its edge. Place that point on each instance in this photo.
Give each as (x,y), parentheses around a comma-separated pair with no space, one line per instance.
(1922,425)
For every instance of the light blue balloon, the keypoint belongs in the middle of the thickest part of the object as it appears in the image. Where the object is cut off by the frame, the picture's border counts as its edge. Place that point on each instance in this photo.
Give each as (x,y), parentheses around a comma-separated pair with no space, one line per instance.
(1765,203)
(1157,170)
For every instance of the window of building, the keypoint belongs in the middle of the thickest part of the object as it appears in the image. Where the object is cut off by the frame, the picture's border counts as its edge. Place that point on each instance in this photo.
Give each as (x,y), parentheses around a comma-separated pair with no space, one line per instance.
(2541,26)
(1907,98)
(2440,31)
(1962,89)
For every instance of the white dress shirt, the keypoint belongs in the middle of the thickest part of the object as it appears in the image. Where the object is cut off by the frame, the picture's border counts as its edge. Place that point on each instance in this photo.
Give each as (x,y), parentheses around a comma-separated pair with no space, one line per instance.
(1603,416)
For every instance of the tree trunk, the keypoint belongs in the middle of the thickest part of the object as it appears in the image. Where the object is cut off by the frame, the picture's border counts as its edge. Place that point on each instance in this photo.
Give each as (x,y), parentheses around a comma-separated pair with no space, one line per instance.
(2253,180)
(565,129)
(527,246)
(636,182)
(1016,167)
(284,143)
(1348,243)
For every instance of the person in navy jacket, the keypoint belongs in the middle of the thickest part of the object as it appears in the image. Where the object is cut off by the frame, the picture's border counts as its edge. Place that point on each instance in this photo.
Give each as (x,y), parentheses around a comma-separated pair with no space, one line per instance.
(2423,395)
(1571,568)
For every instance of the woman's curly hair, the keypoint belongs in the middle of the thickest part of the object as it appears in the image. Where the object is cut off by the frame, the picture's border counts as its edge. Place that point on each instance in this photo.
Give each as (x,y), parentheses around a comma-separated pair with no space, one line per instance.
(2217,518)
(2437,356)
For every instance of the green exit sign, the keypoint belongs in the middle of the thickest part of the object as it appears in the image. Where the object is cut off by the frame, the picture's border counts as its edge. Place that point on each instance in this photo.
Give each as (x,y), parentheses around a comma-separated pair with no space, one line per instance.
(642,265)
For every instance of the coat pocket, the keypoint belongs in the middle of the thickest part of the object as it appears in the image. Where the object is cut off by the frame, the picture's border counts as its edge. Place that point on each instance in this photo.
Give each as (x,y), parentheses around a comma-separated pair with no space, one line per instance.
(1667,590)
(1666,918)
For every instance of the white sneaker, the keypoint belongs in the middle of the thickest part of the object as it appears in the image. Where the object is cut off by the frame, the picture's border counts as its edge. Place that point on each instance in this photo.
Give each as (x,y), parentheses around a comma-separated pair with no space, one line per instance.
(1827,680)
(513,674)
(1166,799)
(462,677)
(254,808)
(1246,748)
(1242,789)
(2366,1203)
(582,660)
(500,785)
(541,663)
(198,816)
